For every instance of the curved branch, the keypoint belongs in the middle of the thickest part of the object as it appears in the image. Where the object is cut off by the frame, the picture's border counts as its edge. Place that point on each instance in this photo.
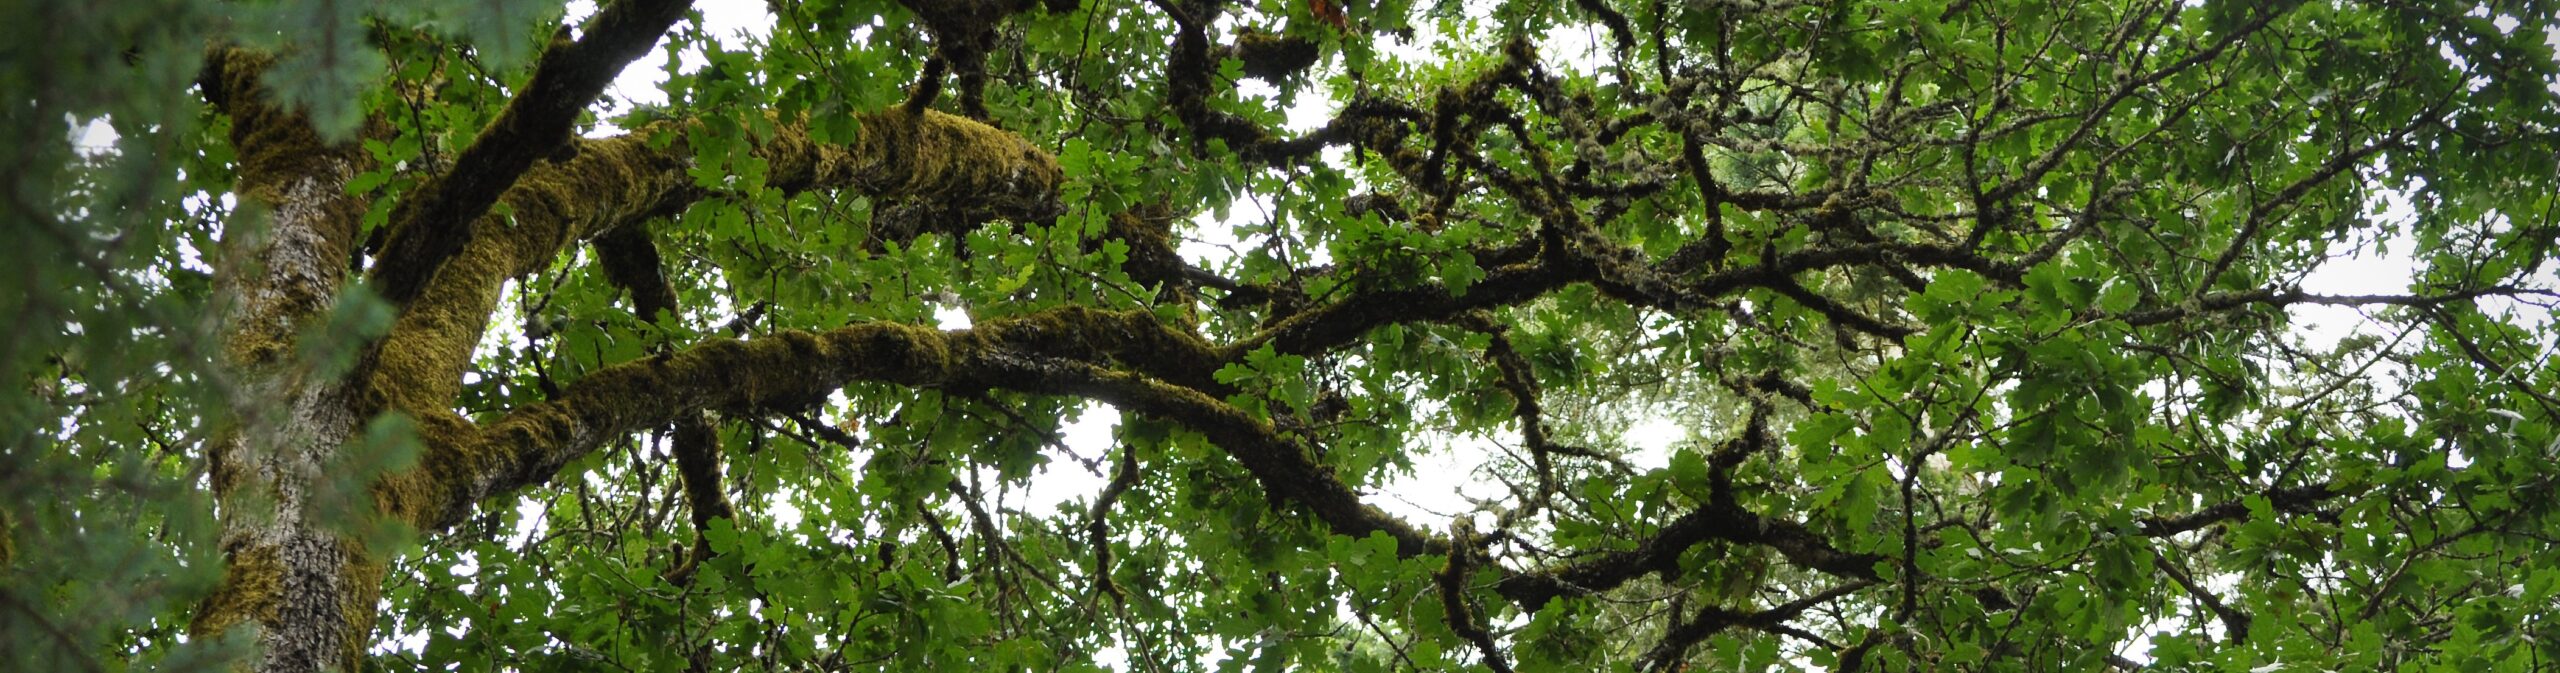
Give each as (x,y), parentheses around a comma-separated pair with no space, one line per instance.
(1049,353)
(1800,545)
(1712,619)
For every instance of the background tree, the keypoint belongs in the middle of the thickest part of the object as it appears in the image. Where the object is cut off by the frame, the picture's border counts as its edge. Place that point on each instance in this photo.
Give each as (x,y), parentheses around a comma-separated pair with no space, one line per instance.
(380,339)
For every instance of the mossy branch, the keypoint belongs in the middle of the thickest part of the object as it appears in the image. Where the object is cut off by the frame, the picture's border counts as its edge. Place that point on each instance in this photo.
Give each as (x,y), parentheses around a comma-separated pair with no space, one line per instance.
(1455,609)
(1059,352)
(928,156)
(789,370)
(434,223)
(618,182)
(1054,353)
(786,371)
(631,262)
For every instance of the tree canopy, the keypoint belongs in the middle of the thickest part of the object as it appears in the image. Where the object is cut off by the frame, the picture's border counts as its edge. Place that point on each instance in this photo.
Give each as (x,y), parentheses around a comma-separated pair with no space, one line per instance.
(389,336)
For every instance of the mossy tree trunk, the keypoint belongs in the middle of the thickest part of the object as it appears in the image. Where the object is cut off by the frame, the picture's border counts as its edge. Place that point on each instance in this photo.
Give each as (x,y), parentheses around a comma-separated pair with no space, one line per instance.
(309,589)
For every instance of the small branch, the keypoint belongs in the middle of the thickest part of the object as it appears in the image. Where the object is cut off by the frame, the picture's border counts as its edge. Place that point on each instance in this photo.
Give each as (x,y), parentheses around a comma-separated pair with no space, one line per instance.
(2480,358)
(2261,214)
(2223,301)
(631,262)
(1453,598)
(696,445)
(1710,620)
(1522,384)
(2294,500)
(1097,525)
(2233,620)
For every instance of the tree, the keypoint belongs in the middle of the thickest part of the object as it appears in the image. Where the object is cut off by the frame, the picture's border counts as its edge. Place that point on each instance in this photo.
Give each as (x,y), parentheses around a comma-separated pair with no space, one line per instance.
(382,339)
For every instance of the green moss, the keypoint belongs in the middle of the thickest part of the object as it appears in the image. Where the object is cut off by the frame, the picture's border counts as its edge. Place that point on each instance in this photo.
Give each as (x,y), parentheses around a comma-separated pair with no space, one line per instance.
(418,366)
(361,600)
(1273,57)
(608,184)
(933,157)
(275,145)
(284,169)
(415,496)
(614,182)
(248,593)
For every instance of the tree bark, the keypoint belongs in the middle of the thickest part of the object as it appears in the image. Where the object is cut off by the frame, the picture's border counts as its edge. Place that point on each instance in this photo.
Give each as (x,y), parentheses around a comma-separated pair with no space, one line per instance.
(309,587)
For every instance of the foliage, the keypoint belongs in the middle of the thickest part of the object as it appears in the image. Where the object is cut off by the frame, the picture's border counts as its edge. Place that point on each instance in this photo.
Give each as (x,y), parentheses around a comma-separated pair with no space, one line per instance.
(104,539)
(1983,324)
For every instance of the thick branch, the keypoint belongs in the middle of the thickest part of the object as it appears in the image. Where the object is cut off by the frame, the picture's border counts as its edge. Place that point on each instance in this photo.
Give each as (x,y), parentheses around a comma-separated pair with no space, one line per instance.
(434,223)
(1800,545)
(295,266)
(286,572)
(1051,352)
(789,370)
(630,261)
(617,182)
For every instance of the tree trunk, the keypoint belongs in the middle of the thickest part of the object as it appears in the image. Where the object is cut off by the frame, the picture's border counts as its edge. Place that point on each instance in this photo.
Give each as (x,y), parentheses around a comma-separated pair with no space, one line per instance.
(308,586)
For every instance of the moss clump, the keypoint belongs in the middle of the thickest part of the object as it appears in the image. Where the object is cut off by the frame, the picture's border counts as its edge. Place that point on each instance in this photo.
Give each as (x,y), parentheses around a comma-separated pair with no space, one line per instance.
(932,156)
(610,183)
(248,592)
(1273,57)
(1134,338)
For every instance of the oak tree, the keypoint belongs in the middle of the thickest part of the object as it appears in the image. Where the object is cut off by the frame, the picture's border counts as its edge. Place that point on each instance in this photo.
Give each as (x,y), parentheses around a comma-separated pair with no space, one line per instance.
(389,336)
